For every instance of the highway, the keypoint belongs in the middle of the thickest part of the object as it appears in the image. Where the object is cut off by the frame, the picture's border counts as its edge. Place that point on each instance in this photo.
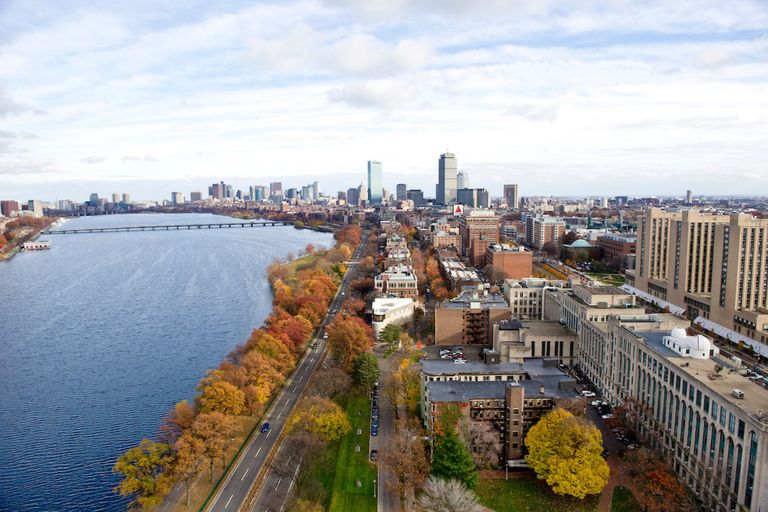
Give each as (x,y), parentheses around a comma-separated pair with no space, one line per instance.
(234,490)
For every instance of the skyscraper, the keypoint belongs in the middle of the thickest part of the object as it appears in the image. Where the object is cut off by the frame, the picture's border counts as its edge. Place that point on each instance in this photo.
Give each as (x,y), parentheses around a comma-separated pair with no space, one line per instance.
(177,198)
(126,198)
(9,207)
(446,179)
(362,193)
(115,198)
(195,196)
(315,191)
(353,196)
(401,192)
(512,196)
(688,197)
(374,181)
(276,188)
(462,180)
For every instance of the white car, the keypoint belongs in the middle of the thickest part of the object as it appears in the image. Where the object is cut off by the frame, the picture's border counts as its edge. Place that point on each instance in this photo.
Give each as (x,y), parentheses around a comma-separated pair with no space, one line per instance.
(588,394)
(607,416)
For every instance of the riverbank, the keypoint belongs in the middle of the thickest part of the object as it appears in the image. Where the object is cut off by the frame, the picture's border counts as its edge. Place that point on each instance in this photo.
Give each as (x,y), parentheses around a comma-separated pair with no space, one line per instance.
(203,433)
(24,229)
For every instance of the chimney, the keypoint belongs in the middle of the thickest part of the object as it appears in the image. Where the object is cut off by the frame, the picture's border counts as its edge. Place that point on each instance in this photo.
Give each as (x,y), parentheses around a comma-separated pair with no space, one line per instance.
(541,389)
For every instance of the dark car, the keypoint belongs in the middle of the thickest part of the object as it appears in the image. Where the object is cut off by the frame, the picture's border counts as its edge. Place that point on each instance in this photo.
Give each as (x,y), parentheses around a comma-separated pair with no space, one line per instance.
(264,428)
(314,345)
(374,431)
(374,455)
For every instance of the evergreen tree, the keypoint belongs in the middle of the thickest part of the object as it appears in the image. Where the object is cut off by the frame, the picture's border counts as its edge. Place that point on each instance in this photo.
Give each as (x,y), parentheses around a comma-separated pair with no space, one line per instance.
(451,459)
(365,371)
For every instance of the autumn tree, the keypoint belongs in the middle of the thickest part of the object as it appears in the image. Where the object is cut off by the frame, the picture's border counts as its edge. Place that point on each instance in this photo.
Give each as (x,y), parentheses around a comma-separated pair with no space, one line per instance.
(306,506)
(218,395)
(189,460)
(484,443)
(215,430)
(565,451)
(362,285)
(276,351)
(406,457)
(660,488)
(262,379)
(330,382)
(440,495)
(321,416)
(365,371)
(406,378)
(452,459)
(144,471)
(179,419)
(348,337)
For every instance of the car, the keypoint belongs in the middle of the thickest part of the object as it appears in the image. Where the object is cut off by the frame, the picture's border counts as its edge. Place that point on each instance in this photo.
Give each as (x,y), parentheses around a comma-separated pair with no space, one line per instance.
(588,394)
(325,336)
(343,293)
(264,428)
(374,455)
(595,403)
(314,345)
(459,361)
(607,416)
(375,423)
(374,431)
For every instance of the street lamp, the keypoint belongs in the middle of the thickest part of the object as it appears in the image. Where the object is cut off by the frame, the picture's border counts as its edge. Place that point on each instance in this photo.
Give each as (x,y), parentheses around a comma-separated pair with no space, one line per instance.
(374,487)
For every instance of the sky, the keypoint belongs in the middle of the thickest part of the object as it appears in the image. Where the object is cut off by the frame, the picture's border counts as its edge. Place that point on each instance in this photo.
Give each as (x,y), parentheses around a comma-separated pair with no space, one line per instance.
(589,97)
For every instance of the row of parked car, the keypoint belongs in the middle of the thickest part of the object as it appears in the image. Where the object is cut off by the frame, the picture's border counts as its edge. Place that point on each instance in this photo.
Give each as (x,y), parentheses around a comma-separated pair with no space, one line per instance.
(455,353)
(375,418)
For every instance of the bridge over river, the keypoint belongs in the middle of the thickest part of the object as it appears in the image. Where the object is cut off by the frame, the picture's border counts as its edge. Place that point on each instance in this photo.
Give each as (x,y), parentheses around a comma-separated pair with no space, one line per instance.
(170,227)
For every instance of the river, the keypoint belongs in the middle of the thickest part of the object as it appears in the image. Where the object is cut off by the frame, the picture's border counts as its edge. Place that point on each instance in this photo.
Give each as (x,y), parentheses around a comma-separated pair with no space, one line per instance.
(103,333)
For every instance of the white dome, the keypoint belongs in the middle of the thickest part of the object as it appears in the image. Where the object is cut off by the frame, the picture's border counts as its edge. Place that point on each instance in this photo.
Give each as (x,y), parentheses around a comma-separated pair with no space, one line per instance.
(697,346)
(678,332)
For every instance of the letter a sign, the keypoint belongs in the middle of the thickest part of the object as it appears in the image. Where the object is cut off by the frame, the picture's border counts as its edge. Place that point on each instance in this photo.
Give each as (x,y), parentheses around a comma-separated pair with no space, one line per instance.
(458,209)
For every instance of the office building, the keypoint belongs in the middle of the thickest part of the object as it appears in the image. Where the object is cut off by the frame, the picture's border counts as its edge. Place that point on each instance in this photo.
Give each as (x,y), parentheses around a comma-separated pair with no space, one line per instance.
(542,230)
(115,198)
(195,196)
(93,200)
(362,192)
(473,197)
(276,189)
(446,179)
(468,319)
(217,190)
(462,180)
(353,196)
(713,266)
(35,207)
(417,196)
(511,196)
(315,191)
(401,192)
(478,230)
(126,198)
(9,208)
(692,405)
(177,198)
(374,182)
(688,197)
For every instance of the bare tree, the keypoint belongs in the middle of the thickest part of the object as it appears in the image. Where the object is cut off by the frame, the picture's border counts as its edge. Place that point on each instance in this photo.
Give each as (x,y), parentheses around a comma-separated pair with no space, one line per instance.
(406,457)
(483,442)
(440,495)
(330,382)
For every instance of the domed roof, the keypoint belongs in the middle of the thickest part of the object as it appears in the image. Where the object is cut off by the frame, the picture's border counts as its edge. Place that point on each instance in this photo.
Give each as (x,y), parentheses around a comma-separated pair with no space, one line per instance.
(678,332)
(583,244)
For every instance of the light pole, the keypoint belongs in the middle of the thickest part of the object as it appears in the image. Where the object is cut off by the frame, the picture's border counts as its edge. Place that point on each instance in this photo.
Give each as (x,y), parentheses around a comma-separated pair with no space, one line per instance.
(374,487)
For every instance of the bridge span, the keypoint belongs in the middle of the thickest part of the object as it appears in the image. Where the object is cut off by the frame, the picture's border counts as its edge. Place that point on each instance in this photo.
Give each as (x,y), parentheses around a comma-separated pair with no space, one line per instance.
(170,227)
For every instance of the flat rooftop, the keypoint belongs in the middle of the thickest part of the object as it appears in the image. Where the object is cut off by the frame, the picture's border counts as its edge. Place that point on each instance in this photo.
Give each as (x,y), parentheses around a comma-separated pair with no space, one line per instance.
(458,391)
(534,367)
(755,401)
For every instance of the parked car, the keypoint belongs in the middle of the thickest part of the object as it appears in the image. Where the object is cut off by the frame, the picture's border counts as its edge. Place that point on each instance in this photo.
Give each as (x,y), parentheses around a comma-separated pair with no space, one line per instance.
(607,416)
(325,336)
(314,345)
(588,394)
(374,431)
(264,428)
(374,455)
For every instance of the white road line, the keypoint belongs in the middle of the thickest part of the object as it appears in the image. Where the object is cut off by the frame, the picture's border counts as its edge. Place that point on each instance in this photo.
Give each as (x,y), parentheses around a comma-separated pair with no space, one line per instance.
(294,389)
(258,452)
(287,400)
(306,368)
(278,482)
(269,433)
(230,499)
(300,377)
(278,416)
(246,472)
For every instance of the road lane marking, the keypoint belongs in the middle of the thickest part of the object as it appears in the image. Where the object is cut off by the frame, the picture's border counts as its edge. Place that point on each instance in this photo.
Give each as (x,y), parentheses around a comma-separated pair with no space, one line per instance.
(287,400)
(278,482)
(278,416)
(258,452)
(230,499)
(269,433)
(246,472)
(294,389)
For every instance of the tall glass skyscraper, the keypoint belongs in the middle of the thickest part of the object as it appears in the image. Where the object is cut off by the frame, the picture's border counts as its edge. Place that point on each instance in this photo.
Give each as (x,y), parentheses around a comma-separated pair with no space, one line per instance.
(446,179)
(374,182)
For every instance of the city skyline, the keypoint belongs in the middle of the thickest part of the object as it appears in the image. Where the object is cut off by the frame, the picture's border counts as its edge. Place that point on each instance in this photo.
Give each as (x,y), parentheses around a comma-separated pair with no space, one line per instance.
(603,99)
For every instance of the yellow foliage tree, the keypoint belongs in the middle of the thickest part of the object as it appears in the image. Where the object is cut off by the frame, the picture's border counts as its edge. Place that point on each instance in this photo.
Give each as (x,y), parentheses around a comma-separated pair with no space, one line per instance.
(565,452)
(219,395)
(321,416)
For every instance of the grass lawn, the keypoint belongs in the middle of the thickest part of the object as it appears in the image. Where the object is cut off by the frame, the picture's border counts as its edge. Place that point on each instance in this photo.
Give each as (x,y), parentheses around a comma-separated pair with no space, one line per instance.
(624,501)
(528,494)
(609,278)
(351,465)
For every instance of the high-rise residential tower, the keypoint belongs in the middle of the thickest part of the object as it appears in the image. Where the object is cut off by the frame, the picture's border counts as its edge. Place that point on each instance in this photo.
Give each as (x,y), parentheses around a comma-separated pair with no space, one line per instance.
(374,182)
(511,195)
(446,179)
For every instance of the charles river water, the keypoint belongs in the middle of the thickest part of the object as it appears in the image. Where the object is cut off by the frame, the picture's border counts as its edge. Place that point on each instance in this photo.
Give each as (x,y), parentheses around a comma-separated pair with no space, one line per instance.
(103,333)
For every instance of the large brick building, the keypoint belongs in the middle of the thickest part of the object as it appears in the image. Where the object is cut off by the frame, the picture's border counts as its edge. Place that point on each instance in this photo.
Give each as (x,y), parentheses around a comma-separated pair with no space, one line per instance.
(468,319)
(478,229)
(514,262)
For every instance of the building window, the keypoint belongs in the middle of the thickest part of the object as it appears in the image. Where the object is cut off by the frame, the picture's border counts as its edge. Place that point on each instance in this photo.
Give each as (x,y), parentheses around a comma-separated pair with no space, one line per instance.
(515,410)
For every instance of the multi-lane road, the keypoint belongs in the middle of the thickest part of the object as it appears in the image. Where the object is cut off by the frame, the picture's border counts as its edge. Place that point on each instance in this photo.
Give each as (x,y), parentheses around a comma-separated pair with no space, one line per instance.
(233,492)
